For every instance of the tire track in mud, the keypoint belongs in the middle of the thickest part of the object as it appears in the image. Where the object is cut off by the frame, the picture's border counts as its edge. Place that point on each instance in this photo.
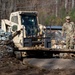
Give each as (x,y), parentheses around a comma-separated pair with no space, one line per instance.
(52,63)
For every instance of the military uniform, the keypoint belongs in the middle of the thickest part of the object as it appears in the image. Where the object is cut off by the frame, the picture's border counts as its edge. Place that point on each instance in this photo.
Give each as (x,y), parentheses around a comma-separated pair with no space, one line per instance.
(69,29)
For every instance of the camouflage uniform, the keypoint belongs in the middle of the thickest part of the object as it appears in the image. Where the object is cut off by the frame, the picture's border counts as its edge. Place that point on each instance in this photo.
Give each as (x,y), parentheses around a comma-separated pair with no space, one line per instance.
(69,29)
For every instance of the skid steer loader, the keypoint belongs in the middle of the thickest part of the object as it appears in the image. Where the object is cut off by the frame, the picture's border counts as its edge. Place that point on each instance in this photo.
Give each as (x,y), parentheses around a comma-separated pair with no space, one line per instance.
(27,33)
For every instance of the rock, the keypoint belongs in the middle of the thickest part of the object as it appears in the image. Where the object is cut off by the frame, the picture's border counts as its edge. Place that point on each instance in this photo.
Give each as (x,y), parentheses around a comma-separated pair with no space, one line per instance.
(5,35)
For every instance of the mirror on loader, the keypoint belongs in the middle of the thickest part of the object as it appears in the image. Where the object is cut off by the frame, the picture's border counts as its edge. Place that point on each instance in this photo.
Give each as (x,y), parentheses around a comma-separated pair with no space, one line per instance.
(14,28)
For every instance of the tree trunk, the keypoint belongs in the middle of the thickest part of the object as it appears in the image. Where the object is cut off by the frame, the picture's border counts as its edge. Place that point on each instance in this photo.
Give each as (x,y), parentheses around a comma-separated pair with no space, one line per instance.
(72,4)
(66,3)
(56,8)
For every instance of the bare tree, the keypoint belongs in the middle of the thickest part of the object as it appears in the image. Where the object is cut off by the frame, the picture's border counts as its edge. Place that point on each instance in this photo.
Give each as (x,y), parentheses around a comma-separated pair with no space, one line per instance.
(56,8)
(72,3)
(66,4)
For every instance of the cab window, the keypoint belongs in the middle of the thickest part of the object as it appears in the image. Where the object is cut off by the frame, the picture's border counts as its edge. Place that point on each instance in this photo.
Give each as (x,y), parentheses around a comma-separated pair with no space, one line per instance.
(14,19)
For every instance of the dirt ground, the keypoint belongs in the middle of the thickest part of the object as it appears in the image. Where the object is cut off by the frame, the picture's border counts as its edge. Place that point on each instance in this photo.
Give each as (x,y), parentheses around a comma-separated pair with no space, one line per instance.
(11,66)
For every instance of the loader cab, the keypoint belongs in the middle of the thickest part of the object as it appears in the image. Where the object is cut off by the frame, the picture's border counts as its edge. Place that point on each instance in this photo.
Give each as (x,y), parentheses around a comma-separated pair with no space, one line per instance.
(28,19)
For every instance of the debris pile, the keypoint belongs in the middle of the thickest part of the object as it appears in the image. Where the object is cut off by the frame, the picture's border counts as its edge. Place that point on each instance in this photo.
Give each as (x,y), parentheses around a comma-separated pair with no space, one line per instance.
(4,39)
(5,35)
(57,35)
(5,51)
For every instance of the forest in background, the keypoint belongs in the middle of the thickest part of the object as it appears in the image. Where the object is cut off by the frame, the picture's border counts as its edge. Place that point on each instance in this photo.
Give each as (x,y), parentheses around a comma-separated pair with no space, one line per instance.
(50,12)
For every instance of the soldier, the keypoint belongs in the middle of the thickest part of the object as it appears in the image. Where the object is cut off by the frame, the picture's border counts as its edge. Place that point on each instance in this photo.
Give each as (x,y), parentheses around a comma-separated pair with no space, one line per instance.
(69,28)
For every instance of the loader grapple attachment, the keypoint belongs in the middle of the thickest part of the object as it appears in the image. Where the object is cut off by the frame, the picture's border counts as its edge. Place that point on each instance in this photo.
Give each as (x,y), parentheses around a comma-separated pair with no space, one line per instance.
(30,42)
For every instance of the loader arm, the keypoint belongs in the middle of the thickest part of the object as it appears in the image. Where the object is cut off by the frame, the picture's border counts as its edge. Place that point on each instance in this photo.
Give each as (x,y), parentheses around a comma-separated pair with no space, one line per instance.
(5,24)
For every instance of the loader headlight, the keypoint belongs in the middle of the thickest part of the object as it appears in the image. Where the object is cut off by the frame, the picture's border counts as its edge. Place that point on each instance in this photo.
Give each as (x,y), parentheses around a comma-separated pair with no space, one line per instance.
(14,28)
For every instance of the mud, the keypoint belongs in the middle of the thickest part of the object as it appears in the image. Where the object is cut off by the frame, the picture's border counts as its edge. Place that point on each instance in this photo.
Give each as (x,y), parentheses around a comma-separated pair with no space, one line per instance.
(9,65)
(12,66)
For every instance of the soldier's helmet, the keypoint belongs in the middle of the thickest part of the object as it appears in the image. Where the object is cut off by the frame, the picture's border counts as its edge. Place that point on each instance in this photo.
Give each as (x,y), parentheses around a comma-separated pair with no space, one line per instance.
(67,17)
